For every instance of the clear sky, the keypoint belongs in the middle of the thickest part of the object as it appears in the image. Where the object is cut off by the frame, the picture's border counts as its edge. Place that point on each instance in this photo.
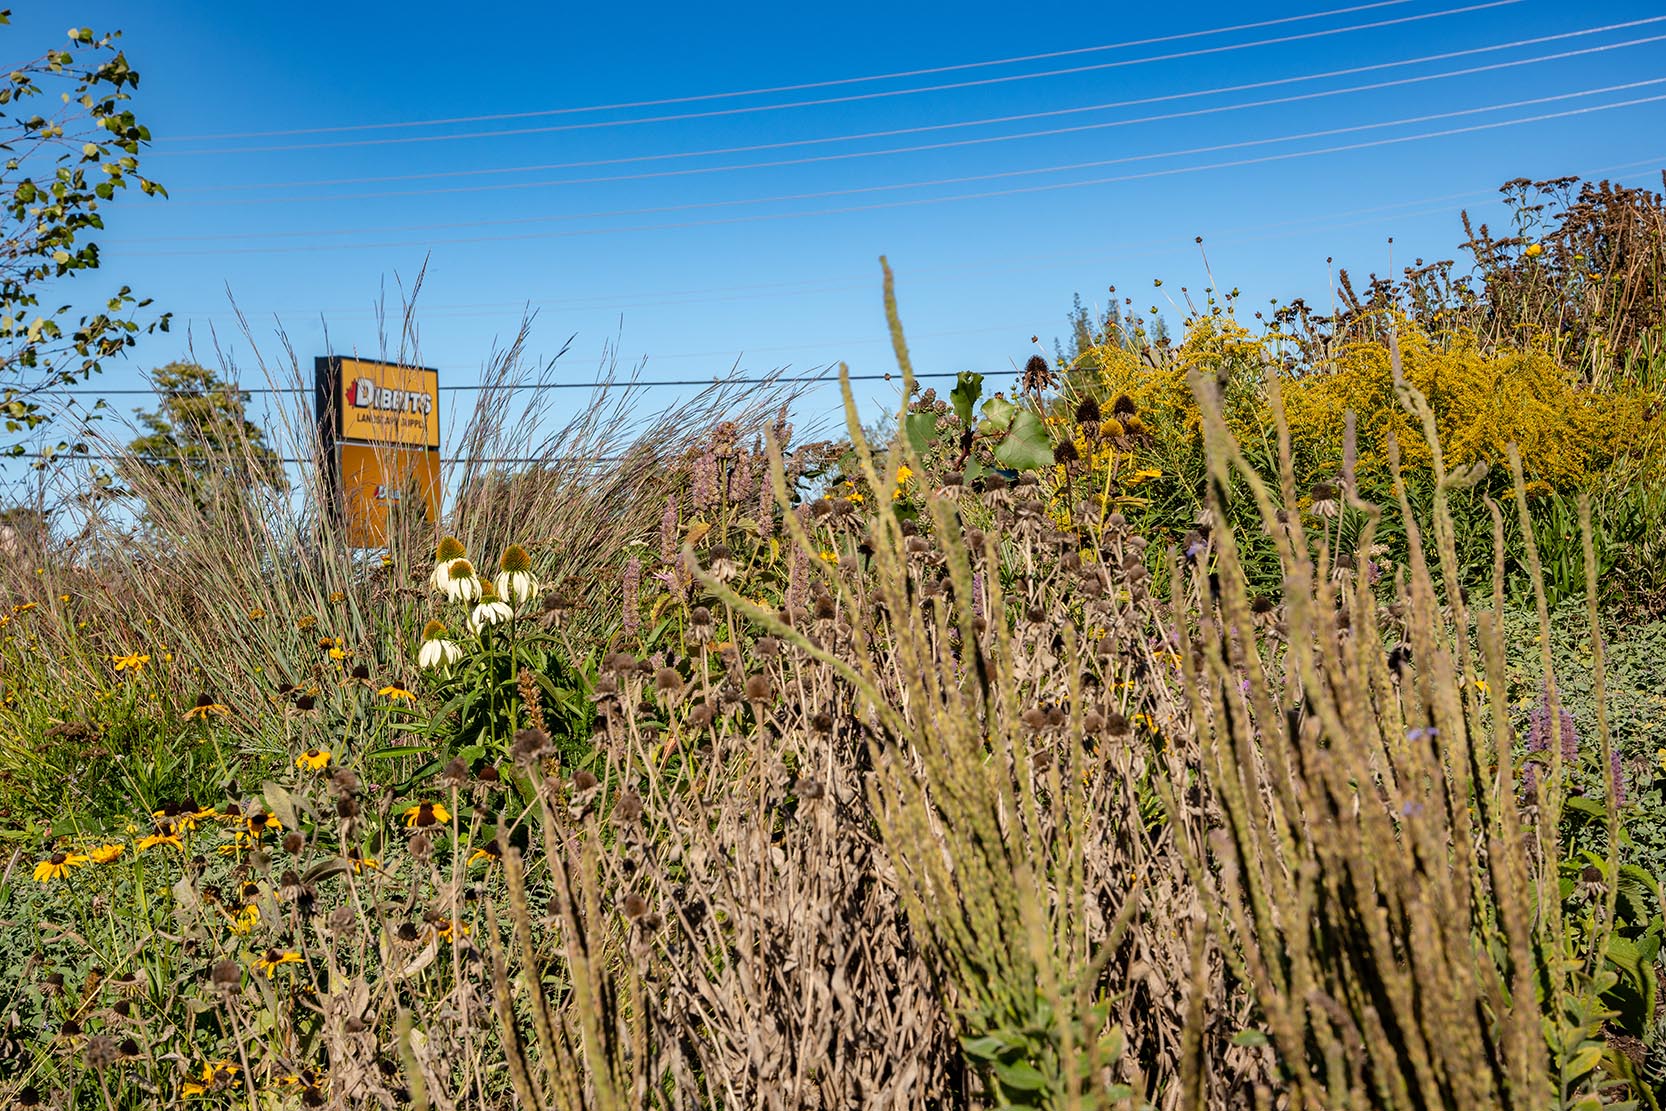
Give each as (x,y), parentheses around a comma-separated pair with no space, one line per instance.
(304,178)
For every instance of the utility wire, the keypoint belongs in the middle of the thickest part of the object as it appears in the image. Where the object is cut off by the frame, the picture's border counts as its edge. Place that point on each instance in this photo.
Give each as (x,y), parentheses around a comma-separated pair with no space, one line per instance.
(1015,191)
(477,387)
(545,112)
(892,132)
(830,284)
(677,117)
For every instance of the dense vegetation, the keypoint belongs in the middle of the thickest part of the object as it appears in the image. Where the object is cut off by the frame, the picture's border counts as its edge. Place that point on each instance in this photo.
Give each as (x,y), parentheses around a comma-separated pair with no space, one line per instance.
(1269,717)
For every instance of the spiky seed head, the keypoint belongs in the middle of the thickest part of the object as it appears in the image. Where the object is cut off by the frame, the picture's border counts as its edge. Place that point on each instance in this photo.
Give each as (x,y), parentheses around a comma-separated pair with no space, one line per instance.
(450,548)
(515,560)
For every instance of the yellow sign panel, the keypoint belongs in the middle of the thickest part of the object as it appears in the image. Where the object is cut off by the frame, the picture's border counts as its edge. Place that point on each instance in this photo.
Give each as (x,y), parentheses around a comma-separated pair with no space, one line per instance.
(377,481)
(388,404)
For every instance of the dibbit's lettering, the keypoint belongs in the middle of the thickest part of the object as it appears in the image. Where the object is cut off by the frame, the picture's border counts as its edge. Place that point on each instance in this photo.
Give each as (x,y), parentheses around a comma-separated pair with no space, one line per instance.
(368,395)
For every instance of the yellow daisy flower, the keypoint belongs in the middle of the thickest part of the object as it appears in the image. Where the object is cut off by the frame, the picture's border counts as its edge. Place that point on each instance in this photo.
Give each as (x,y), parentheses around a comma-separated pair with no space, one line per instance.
(104,854)
(313,759)
(273,958)
(57,866)
(244,921)
(133,661)
(426,814)
(161,837)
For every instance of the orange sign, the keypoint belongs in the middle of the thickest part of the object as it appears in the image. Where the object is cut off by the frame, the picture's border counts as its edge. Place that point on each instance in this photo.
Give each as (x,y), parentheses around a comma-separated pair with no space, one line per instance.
(388,404)
(377,481)
(380,425)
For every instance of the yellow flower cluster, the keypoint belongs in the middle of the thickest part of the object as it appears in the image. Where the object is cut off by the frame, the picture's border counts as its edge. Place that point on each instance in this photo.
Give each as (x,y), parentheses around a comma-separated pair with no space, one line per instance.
(1483,400)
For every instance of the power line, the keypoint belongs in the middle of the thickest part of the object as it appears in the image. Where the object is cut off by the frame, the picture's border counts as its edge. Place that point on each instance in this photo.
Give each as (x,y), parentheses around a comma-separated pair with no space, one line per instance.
(832,283)
(565,217)
(800,87)
(478,387)
(1016,191)
(891,132)
(746,110)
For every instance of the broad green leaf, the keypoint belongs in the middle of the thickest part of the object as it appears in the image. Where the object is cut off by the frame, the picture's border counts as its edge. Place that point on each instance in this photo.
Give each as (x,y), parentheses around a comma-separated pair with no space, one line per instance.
(1025,446)
(997,416)
(922,431)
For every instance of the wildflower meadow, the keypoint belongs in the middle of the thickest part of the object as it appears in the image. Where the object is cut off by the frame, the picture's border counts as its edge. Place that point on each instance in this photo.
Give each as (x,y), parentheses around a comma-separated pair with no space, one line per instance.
(1270,715)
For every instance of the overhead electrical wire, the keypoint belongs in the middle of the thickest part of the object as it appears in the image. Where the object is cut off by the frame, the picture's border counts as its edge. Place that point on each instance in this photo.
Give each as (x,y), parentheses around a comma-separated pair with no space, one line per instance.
(850,98)
(318,183)
(800,87)
(829,284)
(822,158)
(998,175)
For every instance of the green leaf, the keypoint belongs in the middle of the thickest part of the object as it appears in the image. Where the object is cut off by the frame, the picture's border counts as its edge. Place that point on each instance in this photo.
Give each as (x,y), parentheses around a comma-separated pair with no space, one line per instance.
(1250,1037)
(997,416)
(1021,1075)
(922,431)
(1026,446)
(280,802)
(1587,806)
(968,388)
(1584,1061)
(986,1048)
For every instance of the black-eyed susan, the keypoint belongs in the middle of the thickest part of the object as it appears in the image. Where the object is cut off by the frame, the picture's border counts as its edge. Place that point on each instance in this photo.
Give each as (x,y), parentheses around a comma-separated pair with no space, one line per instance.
(491,852)
(173,816)
(264,823)
(244,921)
(426,814)
(205,708)
(57,866)
(161,837)
(273,959)
(394,692)
(313,759)
(133,661)
(240,842)
(361,863)
(104,854)
(216,1076)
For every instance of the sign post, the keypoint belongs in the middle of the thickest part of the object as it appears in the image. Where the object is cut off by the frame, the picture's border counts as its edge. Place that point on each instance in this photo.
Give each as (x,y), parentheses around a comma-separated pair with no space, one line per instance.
(380,428)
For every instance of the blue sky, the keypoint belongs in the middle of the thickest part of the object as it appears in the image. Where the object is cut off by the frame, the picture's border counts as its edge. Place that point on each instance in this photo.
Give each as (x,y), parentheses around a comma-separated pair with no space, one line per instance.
(696,271)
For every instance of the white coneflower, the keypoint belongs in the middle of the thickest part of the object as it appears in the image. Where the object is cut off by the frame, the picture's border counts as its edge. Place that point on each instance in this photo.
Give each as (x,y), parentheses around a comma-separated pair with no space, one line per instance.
(450,549)
(492,610)
(515,581)
(437,651)
(461,583)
